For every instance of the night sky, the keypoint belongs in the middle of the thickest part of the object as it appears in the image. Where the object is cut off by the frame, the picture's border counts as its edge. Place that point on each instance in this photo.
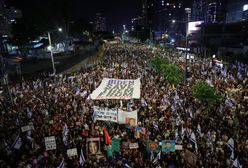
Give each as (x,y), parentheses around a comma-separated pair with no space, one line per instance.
(51,12)
(117,12)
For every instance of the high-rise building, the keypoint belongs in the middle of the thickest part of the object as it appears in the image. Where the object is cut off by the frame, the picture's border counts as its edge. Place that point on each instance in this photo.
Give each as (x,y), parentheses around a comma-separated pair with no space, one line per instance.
(237,10)
(169,16)
(100,22)
(215,11)
(209,11)
(199,10)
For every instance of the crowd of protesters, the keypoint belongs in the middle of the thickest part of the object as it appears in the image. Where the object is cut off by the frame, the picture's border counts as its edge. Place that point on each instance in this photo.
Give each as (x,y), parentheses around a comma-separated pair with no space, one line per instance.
(50,103)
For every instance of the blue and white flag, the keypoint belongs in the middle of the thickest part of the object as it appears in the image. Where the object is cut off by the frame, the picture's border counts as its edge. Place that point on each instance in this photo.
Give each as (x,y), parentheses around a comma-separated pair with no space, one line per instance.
(158,157)
(198,129)
(62,164)
(177,136)
(209,138)
(232,156)
(65,133)
(173,107)
(236,163)
(182,132)
(143,102)
(81,158)
(230,144)
(190,112)
(193,139)
(17,143)
(126,166)
(29,112)
(178,121)
(155,125)
(65,130)
(151,156)
(65,140)
(129,105)
(94,116)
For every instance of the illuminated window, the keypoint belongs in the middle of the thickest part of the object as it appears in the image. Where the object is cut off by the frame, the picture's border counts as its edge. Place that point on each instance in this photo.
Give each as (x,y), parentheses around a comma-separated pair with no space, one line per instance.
(245,7)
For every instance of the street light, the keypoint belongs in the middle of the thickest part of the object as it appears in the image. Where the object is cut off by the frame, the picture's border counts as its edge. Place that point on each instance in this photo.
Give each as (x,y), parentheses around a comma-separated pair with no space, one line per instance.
(60,29)
(50,48)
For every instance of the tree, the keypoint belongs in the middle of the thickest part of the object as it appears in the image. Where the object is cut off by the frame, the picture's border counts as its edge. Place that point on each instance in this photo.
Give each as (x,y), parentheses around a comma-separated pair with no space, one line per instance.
(205,94)
(173,74)
(158,63)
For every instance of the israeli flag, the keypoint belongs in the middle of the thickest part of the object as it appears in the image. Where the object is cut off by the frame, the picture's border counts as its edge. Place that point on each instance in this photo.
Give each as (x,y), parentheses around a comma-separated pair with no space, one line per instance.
(17,143)
(151,156)
(65,130)
(198,129)
(193,139)
(182,132)
(129,106)
(232,156)
(230,144)
(178,120)
(158,157)
(81,159)
(126,166)
(143,102)
(65,133)
(177,135)
(29,112)
(236,163)
(209,138)
(94,116)
(155,125)
(62,164)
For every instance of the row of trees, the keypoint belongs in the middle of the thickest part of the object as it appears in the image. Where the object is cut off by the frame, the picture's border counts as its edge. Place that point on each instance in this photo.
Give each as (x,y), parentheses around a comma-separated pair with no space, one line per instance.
(173,74)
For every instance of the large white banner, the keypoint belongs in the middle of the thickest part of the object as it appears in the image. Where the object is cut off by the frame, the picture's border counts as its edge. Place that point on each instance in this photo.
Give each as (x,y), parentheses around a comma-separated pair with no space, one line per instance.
(105,114)
(50,143)
(117,89)
(130,118)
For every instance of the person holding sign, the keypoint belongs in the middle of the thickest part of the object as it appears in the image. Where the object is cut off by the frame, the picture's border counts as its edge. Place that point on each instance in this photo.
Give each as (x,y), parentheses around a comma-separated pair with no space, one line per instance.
(131,122)
(93,147)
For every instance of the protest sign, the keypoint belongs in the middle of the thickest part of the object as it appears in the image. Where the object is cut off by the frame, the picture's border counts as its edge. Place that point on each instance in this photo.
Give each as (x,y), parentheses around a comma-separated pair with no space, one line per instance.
(50,143)
(133,145)
(178,147)
(190,158)
(105,114)
(130,118)
(168,146)
(153,146)
(117,89)
(27,128)
(93,146)
(72,152)
(125,145)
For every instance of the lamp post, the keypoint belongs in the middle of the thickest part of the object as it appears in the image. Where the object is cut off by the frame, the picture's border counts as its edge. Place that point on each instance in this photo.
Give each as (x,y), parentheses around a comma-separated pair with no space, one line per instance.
(51,51)
(188,12)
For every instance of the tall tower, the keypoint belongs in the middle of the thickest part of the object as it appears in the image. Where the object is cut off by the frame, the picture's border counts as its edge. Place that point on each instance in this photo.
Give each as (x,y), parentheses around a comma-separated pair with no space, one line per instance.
(215,11)
(100,22)
(199,10)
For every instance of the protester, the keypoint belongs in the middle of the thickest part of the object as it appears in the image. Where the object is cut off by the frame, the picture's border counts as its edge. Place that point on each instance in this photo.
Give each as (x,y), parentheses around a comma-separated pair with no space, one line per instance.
(61,107)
